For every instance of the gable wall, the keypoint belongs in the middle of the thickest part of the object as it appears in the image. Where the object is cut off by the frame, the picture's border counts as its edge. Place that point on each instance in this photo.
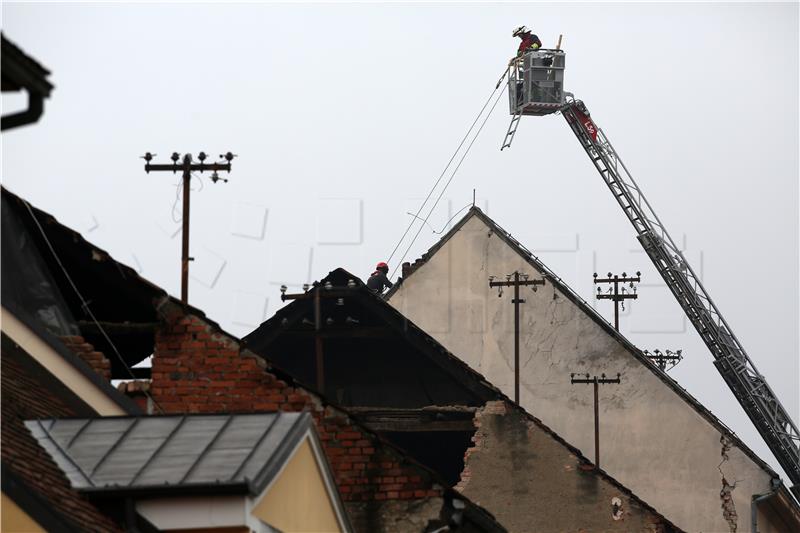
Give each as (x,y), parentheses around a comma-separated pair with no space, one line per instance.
(651,439)
(298,500)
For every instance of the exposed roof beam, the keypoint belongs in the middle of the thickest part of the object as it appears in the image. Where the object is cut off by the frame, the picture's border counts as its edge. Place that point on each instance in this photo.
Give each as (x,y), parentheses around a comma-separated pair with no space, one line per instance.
(357,332)
(433,418)
(113,328)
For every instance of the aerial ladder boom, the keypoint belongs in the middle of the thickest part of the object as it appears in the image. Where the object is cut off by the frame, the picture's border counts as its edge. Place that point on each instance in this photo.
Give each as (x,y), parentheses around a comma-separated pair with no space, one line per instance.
(730,358)
(536,88)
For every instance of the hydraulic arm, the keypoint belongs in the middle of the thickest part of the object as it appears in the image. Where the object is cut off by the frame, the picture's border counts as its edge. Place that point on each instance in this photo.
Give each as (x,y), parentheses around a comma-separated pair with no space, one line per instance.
(730,358)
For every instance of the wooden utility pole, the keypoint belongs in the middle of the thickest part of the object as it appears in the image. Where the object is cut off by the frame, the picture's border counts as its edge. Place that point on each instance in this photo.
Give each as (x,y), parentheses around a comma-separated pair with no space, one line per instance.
(596,382)
(516,283)
(187,166)
(618,296)
(318,293)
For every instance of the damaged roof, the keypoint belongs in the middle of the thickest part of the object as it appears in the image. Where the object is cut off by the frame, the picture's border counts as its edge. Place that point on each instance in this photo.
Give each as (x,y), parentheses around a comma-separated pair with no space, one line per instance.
(53,277)
(131,291)
(360,323)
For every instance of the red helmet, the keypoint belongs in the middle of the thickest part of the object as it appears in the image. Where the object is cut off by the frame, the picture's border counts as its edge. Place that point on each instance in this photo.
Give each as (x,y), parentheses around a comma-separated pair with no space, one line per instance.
(382,265)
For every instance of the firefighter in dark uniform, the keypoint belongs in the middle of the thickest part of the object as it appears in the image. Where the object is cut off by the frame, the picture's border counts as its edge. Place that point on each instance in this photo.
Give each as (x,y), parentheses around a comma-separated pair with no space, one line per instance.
(379,280)
(529,40)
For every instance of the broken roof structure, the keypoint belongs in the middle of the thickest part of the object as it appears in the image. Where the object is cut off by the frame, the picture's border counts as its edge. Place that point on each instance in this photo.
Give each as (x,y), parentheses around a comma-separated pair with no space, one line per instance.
(406,386)
(83,290)
(50,272)
(446,292)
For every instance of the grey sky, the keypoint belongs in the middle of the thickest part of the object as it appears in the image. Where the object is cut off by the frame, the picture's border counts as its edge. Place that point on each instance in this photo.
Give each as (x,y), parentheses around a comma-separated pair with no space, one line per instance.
(346,113)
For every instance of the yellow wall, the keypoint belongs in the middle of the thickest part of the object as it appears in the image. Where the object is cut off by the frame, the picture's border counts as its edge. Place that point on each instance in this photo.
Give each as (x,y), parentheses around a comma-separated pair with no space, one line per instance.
(298,500)
(56,365)
(14,519)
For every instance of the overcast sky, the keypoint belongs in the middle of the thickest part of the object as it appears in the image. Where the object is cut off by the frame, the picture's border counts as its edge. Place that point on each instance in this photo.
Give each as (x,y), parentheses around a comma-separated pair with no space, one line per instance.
(343,116)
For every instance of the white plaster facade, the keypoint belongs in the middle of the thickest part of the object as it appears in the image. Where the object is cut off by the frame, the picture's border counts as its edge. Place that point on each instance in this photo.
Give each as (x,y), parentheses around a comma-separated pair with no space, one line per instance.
(654,440)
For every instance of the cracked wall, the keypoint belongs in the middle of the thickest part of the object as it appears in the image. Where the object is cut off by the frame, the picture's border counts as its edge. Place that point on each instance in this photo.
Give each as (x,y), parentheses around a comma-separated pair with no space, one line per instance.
(725,494)
(532,482)
(652,440)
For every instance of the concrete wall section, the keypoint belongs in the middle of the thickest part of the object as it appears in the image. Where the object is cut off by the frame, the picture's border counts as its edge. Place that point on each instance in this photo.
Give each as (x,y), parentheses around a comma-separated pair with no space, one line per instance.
(532,482)
(653,440)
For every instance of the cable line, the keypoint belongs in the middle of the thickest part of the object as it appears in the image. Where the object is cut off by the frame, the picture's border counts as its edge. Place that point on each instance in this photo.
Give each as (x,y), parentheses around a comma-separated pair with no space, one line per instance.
(444,171)
(464,155)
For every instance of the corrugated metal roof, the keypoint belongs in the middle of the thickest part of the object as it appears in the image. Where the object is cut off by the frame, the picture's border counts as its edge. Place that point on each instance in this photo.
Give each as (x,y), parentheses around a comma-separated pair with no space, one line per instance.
(137,453)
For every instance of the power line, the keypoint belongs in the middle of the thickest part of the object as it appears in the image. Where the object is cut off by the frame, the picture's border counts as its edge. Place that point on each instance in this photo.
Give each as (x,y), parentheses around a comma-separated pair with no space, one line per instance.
(446,185)
(444,171)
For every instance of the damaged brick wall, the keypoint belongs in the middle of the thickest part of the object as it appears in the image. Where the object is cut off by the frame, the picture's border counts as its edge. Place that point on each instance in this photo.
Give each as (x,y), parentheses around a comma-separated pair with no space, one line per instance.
(93,358)
(196,369)
(531,481)
(138,391)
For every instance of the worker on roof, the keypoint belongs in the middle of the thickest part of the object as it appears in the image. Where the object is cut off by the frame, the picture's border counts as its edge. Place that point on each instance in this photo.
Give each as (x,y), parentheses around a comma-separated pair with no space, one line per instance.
(529,40)
(379,280)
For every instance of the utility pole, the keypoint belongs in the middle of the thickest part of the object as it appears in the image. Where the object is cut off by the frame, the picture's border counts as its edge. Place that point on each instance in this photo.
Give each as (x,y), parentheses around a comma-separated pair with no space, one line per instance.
(187,166)
(602,380)
(516,283)
(318,293)
(618,296)
(662,359)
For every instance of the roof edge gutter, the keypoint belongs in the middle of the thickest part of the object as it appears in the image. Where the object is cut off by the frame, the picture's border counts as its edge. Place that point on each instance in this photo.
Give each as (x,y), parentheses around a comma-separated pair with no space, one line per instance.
(29,116)
(757,498)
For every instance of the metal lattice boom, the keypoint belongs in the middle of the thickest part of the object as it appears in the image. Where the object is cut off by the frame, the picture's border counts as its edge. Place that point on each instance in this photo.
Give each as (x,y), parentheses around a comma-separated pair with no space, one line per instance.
(738,371)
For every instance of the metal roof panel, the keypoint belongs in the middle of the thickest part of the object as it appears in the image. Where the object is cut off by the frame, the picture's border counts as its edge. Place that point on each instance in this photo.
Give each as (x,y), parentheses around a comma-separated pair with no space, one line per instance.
(123,453)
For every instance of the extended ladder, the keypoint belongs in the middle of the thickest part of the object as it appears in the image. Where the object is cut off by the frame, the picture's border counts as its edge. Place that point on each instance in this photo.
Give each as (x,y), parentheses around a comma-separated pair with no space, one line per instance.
(731,360)
(512,130)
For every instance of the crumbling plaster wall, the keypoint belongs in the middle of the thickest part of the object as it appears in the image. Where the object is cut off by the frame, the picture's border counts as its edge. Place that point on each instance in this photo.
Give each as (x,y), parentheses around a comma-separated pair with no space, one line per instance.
(397,516)
(532,482)
(652,440)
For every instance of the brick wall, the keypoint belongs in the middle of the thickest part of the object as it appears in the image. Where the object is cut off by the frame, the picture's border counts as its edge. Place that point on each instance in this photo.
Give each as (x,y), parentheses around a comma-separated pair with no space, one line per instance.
(89,355)
(196,369)
(138,391)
